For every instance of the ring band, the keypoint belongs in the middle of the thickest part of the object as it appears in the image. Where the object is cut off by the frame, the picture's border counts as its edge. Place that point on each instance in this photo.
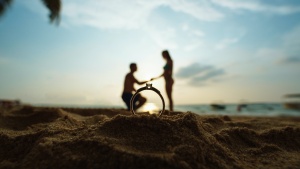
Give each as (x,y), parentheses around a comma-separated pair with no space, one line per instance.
(147,87)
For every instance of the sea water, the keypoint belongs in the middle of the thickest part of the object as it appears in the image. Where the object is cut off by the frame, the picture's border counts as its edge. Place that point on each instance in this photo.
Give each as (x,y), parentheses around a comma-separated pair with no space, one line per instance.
(252,109)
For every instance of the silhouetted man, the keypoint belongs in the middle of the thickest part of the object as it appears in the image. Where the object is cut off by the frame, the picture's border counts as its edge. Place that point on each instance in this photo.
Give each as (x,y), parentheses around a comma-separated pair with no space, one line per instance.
(129,82)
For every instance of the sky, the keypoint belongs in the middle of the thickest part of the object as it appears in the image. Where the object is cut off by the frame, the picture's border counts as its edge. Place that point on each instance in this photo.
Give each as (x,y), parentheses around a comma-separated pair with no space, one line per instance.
(227,51)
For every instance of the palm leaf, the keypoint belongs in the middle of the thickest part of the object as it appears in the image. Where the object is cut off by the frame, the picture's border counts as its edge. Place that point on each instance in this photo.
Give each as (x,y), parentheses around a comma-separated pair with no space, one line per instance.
(54,6)
(4,4)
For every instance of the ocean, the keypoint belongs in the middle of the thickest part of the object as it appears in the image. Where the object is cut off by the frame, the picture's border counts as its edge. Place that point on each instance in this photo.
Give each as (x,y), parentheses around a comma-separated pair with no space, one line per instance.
(252,109)
(249,109)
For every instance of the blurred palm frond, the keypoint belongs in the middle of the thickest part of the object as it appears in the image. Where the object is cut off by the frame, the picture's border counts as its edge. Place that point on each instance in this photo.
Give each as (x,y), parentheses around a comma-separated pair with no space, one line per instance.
(54,6)
(4,4)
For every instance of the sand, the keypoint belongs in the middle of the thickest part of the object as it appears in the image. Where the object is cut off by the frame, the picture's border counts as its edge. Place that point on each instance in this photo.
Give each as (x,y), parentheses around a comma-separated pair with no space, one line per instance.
(32,137)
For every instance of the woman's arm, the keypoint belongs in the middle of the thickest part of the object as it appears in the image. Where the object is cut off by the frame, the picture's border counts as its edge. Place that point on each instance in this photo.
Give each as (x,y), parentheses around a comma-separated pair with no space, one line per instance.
(143,82)
(158,76)
(166,71)
(161,75)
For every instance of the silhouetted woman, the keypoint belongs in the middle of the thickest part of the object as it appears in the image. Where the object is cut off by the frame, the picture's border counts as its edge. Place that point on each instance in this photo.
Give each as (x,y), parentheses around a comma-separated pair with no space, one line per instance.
(167,74)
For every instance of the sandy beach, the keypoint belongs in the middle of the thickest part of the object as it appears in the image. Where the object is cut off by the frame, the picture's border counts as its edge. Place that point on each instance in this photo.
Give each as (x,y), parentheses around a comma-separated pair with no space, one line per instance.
(33,137)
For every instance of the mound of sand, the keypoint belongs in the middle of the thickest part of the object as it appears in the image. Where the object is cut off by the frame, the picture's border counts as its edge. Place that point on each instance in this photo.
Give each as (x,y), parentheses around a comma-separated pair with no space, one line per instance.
(110,138)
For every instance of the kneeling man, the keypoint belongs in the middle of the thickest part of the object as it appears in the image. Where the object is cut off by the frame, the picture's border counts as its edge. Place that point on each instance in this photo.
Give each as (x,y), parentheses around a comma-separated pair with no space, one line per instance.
(129,82)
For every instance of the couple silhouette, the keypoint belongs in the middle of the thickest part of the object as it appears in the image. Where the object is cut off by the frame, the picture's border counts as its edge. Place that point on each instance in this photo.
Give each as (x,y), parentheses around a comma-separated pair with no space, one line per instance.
(130,80)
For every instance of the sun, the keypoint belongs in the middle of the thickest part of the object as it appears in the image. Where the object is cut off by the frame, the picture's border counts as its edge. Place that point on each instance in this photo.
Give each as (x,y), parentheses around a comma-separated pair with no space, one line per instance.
(150,107)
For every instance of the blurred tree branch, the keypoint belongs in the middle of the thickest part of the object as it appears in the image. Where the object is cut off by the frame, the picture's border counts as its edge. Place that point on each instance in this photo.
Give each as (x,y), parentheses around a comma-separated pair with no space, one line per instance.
(4,4)
(53,5)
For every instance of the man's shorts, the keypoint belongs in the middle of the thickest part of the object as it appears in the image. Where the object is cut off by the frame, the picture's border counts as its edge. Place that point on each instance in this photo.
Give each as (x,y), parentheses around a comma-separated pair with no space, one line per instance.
(127,97)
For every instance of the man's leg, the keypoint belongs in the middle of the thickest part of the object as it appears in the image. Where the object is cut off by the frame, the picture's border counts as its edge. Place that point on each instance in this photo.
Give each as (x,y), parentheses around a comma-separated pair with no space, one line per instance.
(126,98)
(141,101)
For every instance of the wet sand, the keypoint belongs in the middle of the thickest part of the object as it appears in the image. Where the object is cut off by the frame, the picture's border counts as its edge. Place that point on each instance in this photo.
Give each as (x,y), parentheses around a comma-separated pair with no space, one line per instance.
(32,137)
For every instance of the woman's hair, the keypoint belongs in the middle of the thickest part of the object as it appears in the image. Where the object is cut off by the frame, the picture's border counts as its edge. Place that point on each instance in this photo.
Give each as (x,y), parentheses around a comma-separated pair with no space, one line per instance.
(166,54)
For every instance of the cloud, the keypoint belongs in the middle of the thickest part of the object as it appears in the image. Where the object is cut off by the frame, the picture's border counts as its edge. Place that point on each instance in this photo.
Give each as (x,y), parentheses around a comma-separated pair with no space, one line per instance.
(201,10)
(134,14)
(258,6)
(193,45)
(287,52)
(291,40)
(162,37)
(131,14)
(107,14)
(208,75)
(198,74)
(291,43)
(195,34)
(224,43)
(36,7)
(192,70)
(290,60)
(192,32)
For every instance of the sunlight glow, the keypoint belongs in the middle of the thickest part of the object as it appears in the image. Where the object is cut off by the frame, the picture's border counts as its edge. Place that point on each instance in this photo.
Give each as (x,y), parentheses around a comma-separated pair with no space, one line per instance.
(151,108)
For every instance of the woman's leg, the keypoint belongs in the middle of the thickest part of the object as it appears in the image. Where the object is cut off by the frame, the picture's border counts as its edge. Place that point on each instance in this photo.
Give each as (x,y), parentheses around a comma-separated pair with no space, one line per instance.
(169,86)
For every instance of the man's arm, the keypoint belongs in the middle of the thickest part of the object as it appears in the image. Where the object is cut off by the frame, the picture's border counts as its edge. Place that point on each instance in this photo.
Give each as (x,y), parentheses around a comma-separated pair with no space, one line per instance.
(138,82)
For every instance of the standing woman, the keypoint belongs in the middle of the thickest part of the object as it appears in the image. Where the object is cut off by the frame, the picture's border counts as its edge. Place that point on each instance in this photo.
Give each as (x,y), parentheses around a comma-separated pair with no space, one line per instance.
(167,74)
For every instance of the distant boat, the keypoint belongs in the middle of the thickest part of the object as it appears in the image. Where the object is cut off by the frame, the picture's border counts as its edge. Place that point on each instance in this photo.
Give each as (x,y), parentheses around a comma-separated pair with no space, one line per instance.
(218,107)
(240,107)
(292,101)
